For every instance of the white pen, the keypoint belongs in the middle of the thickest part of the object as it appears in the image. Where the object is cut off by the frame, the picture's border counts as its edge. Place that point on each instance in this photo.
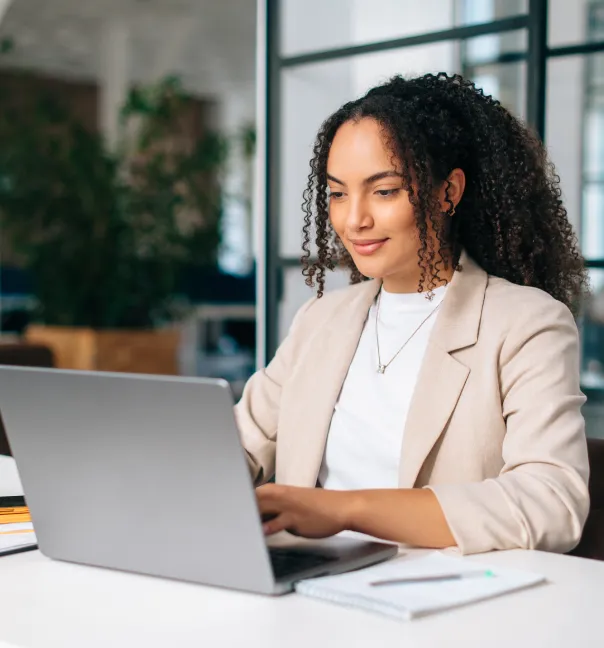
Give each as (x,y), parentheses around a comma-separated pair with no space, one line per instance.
(431,579)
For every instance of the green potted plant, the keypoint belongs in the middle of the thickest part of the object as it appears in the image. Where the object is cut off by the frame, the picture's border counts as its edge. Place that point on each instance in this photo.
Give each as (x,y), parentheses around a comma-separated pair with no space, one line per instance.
(106,234)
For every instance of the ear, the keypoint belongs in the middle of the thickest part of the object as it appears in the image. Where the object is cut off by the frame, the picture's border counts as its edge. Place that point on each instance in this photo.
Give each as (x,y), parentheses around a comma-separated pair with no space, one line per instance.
(452,190)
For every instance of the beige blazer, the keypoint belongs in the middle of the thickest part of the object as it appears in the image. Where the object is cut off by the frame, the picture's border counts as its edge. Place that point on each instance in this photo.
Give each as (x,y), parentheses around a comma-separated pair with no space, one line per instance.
(494,427)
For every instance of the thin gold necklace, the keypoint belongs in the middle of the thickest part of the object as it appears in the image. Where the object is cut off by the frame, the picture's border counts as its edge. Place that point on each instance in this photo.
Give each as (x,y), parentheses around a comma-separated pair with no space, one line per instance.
(382,367)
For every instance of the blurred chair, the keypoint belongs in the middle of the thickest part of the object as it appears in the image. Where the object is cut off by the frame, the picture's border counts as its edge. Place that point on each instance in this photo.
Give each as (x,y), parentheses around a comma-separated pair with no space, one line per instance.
(23,355)
(592,541)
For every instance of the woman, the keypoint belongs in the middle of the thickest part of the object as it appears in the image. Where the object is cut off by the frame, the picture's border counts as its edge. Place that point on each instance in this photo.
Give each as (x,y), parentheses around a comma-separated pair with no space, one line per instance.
(437,404)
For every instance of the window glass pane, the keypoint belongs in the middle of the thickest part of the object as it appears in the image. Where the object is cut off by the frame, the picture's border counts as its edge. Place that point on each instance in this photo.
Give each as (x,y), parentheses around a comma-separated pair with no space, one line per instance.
(575,21)
(592,366)
(311,92)
(594,138)
(592,225)
(326,24)
(564,128)
(507,82)
(575,138)
(592,363)
(486,49)
(472,12)
(592,234)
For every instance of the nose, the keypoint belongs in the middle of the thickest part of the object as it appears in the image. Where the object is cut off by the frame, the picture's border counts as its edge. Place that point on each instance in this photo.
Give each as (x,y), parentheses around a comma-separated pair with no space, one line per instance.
(358,217)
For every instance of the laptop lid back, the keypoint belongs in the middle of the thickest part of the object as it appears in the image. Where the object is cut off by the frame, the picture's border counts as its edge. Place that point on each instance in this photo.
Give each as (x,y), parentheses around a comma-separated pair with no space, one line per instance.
(139,473)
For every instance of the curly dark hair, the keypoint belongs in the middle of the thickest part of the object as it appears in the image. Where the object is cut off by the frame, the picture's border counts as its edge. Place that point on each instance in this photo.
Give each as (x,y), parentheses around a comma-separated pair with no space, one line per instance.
(510,220)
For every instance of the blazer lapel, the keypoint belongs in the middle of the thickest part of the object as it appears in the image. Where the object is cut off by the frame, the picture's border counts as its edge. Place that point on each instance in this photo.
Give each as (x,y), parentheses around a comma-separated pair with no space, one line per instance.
(442,376)
(330,353)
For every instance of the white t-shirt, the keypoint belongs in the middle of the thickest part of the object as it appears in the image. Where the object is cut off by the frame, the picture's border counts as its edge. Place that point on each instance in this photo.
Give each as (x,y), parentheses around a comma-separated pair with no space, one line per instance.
(365,436)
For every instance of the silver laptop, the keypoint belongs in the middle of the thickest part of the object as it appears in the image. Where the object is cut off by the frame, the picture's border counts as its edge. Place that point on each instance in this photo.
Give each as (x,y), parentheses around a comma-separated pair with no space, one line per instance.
(147,474)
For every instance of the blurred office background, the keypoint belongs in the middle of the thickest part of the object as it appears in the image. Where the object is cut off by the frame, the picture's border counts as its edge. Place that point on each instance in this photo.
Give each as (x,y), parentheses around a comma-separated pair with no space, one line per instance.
(127,148)
(201,116)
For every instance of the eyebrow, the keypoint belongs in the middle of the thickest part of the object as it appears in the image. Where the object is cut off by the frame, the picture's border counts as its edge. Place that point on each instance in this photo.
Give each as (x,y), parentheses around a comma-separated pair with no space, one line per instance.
(371,179)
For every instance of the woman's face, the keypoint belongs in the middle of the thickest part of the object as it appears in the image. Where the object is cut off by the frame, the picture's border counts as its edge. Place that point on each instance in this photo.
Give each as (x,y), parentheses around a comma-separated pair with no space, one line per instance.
(369,209)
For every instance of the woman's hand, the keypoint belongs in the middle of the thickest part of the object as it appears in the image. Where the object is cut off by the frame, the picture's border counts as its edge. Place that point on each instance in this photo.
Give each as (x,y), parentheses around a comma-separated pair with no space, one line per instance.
(405,515)
(308,512)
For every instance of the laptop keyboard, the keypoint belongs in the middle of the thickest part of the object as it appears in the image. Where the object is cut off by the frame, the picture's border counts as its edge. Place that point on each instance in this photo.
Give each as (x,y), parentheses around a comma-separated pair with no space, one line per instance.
(289,561)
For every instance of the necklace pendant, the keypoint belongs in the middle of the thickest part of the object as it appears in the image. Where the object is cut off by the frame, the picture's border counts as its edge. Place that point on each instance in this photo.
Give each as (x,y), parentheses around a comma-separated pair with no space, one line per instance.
(381,369)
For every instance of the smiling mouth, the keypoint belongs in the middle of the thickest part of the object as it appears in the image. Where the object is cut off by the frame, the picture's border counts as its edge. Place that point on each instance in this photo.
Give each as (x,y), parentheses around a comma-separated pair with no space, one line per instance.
(365,248)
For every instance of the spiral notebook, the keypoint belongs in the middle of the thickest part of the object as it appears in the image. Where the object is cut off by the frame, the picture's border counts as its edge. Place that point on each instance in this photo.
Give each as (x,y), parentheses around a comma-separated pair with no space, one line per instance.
(413,596)
(16,528)
(16,538)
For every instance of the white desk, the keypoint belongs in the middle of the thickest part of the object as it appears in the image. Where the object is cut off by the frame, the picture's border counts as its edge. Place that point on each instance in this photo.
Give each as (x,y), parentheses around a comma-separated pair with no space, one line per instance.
(47,604)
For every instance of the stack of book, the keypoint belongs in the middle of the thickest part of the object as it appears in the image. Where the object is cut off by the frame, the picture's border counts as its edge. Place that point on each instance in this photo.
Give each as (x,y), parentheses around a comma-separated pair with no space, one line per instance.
(16,529)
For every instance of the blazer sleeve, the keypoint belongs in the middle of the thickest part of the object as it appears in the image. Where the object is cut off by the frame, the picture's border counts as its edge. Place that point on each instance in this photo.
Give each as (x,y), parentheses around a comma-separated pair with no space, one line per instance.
(540,499)
(257,413)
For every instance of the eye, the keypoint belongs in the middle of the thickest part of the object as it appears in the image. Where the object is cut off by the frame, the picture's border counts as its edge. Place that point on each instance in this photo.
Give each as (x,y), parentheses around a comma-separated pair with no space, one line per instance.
(387,192)
(334,195)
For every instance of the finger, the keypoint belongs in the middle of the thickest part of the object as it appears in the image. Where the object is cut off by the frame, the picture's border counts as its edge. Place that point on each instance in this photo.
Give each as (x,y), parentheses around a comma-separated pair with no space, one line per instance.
(270,500)
(270,507)
(277,524)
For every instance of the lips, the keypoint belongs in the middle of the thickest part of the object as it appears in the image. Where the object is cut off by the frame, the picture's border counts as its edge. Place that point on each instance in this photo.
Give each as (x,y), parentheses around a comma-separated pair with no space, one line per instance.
(368,247)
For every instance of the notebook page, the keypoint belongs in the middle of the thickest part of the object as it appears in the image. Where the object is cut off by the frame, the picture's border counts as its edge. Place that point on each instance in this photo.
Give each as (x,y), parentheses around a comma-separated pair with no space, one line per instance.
(15,536)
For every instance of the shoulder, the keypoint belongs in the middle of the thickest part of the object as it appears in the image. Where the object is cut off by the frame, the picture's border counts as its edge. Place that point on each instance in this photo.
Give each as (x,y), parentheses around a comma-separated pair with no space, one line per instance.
(320,310)
(510,301)
(521,312)
(335,299)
